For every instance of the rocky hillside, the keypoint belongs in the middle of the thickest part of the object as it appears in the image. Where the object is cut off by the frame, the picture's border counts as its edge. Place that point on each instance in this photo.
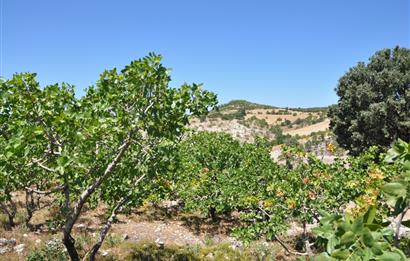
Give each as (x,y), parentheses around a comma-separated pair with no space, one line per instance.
(245,120)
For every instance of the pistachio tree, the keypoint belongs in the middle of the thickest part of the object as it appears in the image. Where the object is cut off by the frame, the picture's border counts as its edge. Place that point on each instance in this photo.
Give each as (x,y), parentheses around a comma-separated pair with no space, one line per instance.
(31,122)
(208,162)
(103,147)
(368,236)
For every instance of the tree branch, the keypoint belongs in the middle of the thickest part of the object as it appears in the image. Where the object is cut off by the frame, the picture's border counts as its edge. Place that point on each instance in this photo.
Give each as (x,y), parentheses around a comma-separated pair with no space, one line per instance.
(56,189)
(87,192)
(398,225)
(287,249)
(41,164)
(104,231)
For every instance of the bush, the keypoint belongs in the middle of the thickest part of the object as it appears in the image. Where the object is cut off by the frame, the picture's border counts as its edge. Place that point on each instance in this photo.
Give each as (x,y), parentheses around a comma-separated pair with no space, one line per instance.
(262,123)
(52,251)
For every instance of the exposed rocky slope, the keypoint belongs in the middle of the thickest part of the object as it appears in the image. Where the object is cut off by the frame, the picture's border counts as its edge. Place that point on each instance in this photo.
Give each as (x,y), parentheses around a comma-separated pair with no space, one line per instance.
(245,120)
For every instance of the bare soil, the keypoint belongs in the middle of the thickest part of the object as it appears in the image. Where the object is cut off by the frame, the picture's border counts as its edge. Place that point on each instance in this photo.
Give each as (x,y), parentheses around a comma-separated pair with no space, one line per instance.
(321,126)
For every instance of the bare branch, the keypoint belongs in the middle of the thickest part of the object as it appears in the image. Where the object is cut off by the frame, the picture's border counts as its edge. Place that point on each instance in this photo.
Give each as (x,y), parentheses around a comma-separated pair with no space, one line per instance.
(398,226)
(148,107)
(56,189)
(287,249)
(108,224)
(104,231)
(41,164)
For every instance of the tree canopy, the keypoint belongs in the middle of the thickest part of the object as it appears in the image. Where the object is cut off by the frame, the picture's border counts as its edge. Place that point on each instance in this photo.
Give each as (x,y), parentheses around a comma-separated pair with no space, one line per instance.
(374,102)
(97,148)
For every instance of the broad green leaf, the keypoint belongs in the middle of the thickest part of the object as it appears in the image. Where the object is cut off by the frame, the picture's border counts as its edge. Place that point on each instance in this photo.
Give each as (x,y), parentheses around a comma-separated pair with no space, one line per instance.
(370,215)
(390,256)
(377,249)
(367,238)
(357,225)
(348,238)
(341,253)
(331,244)
(395,188)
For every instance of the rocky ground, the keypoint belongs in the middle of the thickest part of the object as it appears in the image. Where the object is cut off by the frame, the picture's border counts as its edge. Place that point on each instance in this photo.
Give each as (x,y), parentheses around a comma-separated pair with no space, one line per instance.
(152,224)
(162,225)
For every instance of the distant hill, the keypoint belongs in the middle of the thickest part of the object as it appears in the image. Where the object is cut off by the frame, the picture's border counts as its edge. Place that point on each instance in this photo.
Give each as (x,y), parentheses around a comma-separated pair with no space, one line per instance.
(245,120)
(247,105)
(243,104)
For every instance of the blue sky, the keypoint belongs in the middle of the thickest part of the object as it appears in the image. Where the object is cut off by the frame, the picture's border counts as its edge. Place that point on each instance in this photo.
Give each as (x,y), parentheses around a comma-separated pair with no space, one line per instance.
(283,53)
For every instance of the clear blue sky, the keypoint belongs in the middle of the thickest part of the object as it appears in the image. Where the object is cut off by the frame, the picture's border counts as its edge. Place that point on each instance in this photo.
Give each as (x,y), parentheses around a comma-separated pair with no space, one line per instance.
(283,53)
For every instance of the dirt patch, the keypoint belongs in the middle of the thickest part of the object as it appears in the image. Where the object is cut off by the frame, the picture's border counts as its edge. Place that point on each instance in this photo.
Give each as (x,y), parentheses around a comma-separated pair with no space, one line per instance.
(321,126)
(167,232)
(272,119)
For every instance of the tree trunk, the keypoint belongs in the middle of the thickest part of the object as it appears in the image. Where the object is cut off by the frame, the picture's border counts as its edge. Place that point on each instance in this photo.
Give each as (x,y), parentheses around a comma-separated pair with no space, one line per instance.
(212,213)
(306,240)
(11,213)
(289,164)
(104,231)
(107,226)
(68,240)
(30,205)
(11,220)
(69,244)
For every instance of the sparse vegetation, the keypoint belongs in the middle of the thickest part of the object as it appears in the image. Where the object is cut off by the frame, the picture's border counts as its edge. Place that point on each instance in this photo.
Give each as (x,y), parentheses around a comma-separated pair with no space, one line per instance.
(236,104)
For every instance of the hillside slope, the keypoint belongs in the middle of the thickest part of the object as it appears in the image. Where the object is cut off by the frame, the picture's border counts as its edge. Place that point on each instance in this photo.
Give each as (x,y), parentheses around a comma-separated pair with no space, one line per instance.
(245,120)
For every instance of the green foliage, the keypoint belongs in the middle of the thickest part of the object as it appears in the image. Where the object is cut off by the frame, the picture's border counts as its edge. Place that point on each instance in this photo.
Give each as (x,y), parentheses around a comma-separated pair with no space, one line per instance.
(218,175)
(97,147)
(373,106)
(279,112)
(208,163)
(312,109)
(366,237)
(256,121)
(52,251)
(317,140)
(150,251)
(345,238)
(286,123)
(281,138)
(238,114)
(310,120)
(30,120)
(397,190)
(236,104)
(405,245)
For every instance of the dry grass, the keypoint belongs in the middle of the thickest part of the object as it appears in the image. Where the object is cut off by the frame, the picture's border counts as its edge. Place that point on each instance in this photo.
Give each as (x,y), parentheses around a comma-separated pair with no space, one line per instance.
(247,133)
(272,119)
(321,126)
